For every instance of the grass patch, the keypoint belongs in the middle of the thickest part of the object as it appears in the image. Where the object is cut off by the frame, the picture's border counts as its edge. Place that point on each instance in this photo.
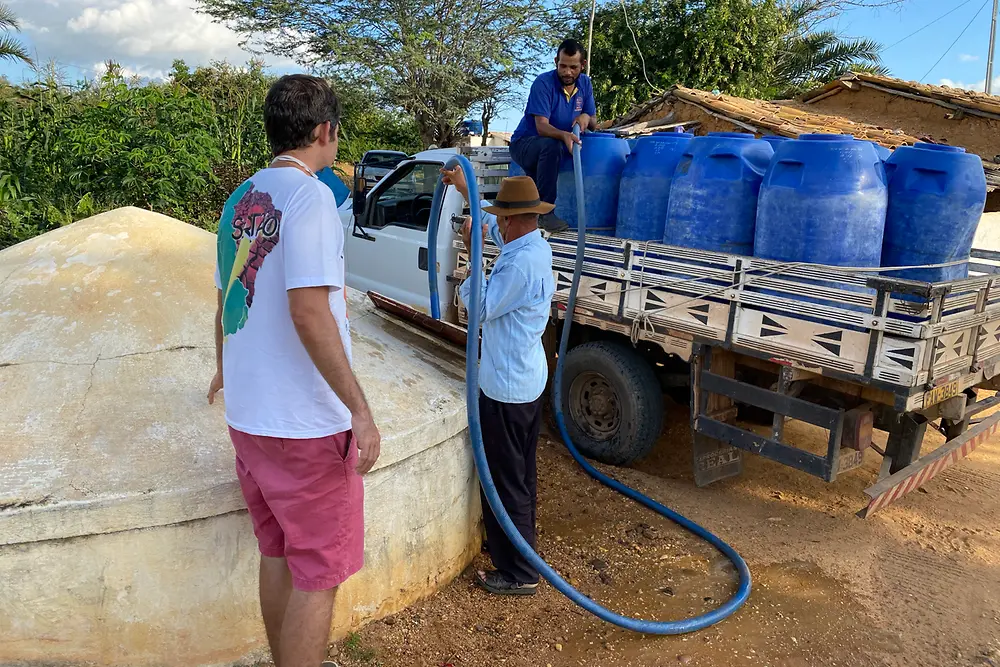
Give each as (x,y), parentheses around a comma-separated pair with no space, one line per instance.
(355,649)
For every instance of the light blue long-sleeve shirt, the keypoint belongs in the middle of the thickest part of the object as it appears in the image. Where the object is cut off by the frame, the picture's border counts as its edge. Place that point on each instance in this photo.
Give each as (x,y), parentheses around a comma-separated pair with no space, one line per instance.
(514,310)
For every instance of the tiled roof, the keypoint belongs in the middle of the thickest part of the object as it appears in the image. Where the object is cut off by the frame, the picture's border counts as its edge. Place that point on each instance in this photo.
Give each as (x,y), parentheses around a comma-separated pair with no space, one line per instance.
(965,100)
(771,118)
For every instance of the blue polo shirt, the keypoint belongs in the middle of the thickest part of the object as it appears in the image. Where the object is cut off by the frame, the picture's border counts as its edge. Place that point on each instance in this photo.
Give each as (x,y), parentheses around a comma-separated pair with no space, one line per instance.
(547,99)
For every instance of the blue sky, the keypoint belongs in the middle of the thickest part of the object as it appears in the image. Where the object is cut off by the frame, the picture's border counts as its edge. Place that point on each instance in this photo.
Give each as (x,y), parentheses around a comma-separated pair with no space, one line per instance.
(146,35)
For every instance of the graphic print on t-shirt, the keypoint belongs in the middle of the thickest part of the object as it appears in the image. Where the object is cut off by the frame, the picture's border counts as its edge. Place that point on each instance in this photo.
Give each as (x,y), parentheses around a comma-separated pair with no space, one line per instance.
(248,231)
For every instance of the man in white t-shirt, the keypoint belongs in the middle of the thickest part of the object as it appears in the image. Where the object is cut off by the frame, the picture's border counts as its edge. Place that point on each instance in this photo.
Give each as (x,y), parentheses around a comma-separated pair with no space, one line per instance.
(299,422)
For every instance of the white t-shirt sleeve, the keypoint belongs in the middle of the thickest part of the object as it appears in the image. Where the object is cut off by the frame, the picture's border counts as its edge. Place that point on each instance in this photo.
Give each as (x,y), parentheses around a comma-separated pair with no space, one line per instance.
(313,241)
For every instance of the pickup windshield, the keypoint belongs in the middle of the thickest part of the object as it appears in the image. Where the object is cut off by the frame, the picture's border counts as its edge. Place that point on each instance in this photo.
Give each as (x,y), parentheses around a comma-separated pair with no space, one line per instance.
(386,159)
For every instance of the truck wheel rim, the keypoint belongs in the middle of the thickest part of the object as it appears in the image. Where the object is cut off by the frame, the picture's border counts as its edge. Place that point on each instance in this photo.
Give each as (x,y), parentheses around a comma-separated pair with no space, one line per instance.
(594,405)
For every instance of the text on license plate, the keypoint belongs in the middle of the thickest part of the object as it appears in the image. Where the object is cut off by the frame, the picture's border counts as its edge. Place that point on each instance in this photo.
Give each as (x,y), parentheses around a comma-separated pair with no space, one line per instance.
(942,393)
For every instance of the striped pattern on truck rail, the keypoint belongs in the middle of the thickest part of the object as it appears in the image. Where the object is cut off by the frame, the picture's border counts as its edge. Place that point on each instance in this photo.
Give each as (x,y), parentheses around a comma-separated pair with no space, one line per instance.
(912,477)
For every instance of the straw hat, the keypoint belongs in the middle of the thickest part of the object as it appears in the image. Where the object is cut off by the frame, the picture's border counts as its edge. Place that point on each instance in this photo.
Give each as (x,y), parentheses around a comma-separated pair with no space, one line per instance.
(518,195)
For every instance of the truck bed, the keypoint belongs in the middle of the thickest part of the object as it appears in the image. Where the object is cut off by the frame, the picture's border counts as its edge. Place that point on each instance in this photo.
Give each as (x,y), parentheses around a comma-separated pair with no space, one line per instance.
(922,343)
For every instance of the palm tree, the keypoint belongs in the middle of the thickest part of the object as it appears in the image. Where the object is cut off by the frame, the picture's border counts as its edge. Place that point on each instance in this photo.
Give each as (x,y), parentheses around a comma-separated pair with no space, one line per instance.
(806,58)
(11,48)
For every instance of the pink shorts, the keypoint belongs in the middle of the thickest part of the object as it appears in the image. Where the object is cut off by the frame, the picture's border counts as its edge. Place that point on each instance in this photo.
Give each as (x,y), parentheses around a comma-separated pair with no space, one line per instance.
(306,501)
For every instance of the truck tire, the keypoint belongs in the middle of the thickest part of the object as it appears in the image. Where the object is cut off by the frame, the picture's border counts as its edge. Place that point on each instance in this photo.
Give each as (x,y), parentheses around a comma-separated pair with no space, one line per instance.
(612,402)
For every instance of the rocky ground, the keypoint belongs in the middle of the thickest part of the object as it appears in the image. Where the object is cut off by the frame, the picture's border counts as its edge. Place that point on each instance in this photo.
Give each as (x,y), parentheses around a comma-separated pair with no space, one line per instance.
(917,585)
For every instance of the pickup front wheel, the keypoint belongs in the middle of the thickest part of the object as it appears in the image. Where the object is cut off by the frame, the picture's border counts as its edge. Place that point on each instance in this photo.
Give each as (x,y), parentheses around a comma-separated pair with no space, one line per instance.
(612,402)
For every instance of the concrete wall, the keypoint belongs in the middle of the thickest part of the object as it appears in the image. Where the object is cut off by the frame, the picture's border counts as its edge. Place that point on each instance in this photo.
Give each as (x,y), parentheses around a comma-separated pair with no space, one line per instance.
(186,594)
(123,534)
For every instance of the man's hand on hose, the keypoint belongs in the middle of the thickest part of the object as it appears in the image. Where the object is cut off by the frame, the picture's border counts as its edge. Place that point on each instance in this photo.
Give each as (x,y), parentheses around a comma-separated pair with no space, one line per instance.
(456,177)
(583,121)
(467,233)
(569,139)
(369,441)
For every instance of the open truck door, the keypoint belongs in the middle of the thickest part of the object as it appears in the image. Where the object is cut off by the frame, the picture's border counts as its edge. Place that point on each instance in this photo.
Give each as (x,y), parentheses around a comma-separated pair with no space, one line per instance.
(386,238)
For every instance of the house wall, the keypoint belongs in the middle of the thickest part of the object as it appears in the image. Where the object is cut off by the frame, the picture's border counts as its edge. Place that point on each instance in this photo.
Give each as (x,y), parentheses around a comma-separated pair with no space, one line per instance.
(919,119)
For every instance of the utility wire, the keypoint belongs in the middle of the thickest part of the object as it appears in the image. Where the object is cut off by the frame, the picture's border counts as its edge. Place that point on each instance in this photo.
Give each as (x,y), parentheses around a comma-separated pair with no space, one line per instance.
(950,11)
(967,26)
(638,50)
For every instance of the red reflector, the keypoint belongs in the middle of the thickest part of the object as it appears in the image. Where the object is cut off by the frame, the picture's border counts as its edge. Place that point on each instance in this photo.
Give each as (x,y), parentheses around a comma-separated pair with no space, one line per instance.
(858,426)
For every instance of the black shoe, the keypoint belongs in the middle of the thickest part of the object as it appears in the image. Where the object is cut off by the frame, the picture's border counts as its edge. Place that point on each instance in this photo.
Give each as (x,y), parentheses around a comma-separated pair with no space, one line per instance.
(496,583)
(553,225)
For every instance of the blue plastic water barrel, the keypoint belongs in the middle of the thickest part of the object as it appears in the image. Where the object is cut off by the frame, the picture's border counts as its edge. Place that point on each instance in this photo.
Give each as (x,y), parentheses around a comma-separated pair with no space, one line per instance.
(632,143)
(883,152)
(936,198)
(645,185)
(823,201)
(340,191)
(474,127)
(774,140)
(603,158)
(713,197)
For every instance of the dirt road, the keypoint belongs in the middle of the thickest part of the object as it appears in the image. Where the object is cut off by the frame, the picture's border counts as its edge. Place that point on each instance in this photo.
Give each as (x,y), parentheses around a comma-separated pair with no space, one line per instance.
(917,585)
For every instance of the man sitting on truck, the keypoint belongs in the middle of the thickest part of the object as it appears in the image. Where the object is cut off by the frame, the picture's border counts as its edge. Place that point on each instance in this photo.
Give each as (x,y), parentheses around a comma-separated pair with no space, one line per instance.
(559,101)
(514,311)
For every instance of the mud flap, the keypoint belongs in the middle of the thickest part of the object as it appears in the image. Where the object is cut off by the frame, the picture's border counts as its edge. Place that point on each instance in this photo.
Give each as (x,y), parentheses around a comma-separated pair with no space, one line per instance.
(714,460)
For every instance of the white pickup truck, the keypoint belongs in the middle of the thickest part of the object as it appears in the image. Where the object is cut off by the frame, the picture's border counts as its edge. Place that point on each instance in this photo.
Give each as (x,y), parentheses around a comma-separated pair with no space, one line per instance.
(722,331)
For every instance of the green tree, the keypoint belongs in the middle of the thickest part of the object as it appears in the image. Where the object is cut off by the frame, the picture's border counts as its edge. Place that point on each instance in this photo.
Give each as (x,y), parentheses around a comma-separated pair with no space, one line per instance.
(435,59)
(10,47)
(69,152)
(750,48)
(725,44)
(807,58)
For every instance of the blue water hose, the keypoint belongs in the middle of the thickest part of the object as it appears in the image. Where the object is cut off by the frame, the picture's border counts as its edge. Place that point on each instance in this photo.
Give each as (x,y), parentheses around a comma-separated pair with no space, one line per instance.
(479,453)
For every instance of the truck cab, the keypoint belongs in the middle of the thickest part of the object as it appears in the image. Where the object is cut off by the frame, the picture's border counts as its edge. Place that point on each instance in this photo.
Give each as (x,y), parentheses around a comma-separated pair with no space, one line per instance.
(386,235)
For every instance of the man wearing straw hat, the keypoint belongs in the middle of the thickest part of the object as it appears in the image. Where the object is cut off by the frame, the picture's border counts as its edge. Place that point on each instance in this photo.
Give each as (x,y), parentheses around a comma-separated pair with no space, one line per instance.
(514,311)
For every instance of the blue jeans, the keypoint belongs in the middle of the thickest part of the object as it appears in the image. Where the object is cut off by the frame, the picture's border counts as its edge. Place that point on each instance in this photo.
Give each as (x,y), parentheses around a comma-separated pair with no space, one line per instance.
(540,158)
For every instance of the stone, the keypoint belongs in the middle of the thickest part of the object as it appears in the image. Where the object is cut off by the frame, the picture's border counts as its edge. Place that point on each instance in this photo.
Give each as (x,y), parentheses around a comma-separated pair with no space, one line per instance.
(123,532)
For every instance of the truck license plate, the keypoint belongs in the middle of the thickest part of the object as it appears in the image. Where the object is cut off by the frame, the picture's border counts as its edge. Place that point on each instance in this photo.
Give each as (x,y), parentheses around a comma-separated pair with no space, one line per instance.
(942,393)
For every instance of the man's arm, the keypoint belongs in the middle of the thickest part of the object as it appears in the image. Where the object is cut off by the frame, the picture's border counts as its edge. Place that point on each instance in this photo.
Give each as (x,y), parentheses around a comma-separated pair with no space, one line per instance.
(320,335)
(587,120)
(546,129)
(312,242)
(456,177)
(216,385)
(506,293)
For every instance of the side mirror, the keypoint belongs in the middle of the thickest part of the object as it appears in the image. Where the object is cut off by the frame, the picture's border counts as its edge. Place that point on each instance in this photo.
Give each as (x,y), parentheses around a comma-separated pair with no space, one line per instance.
(360,198)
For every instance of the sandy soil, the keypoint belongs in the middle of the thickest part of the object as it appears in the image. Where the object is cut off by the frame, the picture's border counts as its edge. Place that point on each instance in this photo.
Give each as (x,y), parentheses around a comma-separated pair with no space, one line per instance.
(916,585)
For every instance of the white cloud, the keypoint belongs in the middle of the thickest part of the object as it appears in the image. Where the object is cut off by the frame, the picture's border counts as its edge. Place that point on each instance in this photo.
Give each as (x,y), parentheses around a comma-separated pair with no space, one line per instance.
(145,36)
(978,86)
(967,58)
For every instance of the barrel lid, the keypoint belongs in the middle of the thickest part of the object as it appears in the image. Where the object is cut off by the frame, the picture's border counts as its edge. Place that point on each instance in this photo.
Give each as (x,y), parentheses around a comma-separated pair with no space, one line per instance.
(106,352)
(732,135)
(823,136)
(944,148)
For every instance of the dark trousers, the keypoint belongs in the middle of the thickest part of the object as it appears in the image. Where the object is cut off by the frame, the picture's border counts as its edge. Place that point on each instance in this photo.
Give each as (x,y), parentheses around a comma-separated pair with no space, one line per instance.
(540,157)
(510,436)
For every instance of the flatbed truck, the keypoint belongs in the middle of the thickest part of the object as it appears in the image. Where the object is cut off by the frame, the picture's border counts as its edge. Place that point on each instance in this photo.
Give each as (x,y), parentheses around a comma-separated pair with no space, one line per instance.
(846,351)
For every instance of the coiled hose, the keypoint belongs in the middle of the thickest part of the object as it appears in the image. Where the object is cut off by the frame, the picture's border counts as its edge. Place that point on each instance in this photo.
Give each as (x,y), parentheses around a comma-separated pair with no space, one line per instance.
(476,435)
